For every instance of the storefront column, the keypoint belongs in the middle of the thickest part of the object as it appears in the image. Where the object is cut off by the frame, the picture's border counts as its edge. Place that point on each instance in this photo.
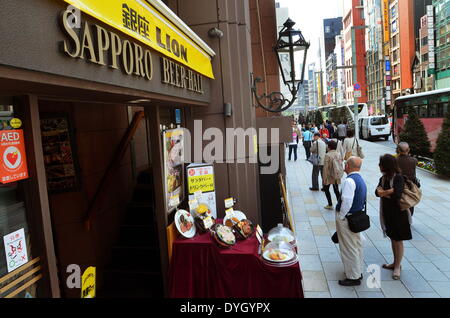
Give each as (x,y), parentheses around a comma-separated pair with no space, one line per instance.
(153,120)
(37,190)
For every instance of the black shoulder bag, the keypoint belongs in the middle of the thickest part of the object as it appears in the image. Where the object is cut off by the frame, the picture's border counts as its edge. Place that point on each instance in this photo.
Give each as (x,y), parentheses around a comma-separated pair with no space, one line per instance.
(359,221)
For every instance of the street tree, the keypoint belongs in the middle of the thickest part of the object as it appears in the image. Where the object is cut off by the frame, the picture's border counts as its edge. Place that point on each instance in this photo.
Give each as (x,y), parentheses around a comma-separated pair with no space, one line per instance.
(442,152)
(415,135)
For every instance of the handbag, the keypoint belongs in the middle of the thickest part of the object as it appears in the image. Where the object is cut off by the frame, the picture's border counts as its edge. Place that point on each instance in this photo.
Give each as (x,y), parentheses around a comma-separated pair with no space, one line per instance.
(411,195)
(359,150)
(314,159)
(359,221)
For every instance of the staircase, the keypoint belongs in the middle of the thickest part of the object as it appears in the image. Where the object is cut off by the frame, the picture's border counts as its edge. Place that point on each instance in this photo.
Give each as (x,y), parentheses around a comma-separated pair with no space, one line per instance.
(135,269)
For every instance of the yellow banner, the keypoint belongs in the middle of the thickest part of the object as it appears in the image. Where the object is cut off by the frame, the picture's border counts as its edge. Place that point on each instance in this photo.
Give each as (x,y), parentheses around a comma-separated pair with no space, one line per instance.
(203,183)
(142,21)
(386,23)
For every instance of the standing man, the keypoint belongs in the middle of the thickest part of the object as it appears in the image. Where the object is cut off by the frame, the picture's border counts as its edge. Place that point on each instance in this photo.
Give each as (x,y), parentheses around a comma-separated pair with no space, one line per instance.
(294,144)
(319,147)
(407,165)
(330,128)
(307,141)
(353,200)
(342,131)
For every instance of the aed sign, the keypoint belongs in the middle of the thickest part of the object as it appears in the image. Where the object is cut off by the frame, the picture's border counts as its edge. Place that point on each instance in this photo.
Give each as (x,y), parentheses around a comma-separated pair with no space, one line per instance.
(13,166)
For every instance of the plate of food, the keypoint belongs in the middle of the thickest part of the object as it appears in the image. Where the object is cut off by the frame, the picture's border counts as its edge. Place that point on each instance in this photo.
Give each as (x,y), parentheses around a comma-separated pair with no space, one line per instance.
(224,235)
(184,222)
(279,255)
(234,217)
(244,229)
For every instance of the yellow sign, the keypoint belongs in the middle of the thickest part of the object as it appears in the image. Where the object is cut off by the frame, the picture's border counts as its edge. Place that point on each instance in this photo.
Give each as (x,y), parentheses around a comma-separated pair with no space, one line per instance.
(140,20)
(204,183)
(88,283)
(15,123)
(386,22)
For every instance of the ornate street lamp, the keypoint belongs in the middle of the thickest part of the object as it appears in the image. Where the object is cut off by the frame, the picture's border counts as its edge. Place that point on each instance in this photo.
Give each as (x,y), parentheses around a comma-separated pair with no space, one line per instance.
(290,44)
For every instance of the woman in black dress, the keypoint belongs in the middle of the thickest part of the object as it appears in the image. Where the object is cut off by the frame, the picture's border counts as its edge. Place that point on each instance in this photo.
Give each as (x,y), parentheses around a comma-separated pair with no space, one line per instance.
(396,222)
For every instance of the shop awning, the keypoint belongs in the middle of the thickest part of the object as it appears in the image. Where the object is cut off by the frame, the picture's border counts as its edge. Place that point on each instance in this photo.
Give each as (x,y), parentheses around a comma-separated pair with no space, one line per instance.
(154,24)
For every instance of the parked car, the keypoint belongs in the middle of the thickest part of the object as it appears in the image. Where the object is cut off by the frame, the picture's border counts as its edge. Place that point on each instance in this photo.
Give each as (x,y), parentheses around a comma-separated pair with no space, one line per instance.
(374,127)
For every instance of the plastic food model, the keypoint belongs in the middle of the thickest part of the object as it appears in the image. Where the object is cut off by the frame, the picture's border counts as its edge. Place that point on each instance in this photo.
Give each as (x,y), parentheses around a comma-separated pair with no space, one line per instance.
(185,225)
(224,235)
(202,212)
(244,228)
(279,254)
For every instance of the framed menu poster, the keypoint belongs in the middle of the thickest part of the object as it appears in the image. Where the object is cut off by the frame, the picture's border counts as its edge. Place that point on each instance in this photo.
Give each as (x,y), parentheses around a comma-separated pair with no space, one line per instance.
(61,166)
(173,150)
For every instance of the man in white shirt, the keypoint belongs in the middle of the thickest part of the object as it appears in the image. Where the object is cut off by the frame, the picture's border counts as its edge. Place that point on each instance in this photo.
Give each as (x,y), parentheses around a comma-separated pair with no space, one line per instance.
(353,200)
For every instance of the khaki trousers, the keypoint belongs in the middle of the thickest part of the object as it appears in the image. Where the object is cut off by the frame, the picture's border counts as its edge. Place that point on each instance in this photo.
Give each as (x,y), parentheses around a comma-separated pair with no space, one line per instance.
(350,245)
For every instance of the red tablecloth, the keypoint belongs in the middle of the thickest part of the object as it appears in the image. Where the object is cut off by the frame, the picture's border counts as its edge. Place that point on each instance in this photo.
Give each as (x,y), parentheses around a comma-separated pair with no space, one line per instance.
(201,269)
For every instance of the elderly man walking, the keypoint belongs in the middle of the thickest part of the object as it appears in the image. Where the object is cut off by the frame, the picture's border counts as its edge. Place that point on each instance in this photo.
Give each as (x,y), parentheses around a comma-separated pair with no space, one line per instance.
(407,165)
(353,200)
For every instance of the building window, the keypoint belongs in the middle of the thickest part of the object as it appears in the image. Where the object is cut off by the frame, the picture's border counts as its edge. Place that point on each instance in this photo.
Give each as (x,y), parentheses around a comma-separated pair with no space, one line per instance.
(425,57)
(394,26)
(425,41)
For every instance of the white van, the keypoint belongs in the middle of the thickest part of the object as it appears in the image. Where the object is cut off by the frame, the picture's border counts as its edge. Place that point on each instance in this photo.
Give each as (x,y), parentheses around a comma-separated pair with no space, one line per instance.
(374,127)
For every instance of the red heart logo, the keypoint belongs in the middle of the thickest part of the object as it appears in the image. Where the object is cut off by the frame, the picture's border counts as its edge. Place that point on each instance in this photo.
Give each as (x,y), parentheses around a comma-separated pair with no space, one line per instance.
(12,158)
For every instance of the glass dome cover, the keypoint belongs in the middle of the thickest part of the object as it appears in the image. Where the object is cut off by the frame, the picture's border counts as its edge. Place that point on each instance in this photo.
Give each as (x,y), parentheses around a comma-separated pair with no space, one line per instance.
(281,234)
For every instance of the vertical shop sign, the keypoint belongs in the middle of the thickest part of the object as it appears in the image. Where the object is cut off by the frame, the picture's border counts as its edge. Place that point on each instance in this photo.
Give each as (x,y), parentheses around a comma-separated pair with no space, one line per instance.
(13,158)
(386,23)
(88,283)
(15,249)
(201,186)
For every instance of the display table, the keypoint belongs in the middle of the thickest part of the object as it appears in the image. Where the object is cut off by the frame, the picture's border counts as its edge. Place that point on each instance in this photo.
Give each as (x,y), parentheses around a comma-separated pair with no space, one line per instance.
(201,269)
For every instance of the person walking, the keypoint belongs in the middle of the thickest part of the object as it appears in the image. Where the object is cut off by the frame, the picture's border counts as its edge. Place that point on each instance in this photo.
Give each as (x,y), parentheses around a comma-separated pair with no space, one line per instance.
(333,171)
(407,165)
(330,129)
(307,141)
(293,145)
(319,148)
(353,200)
(395,223)
(350,145)
(342,130)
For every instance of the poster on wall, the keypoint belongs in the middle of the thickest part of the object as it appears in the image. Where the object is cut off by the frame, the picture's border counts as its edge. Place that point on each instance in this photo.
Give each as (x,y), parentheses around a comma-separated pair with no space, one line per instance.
(201,186)
(173,149)
(13,165)
(58,148)
(15,249)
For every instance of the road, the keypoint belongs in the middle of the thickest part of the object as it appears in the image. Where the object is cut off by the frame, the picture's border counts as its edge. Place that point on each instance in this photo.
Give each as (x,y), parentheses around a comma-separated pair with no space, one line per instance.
(426,266)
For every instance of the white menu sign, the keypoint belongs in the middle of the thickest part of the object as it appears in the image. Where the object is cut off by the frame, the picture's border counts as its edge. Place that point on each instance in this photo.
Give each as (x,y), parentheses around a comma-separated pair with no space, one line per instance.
(15,249)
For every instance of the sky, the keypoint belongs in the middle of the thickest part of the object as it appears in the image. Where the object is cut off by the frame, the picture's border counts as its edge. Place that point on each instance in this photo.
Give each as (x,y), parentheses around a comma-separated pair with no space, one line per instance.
(309,16)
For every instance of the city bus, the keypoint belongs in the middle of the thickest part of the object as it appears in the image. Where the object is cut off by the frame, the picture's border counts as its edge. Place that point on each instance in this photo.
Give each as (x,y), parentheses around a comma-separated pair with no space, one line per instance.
(338,113)
(431,107)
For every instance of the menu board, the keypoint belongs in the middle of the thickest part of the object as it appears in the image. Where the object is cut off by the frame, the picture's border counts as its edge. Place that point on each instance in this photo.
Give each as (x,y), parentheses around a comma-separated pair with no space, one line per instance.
(201,186)
(173,150)
(58,148)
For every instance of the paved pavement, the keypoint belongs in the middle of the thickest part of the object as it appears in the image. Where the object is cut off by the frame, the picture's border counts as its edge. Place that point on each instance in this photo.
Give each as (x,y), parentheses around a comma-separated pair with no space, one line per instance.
(426,265)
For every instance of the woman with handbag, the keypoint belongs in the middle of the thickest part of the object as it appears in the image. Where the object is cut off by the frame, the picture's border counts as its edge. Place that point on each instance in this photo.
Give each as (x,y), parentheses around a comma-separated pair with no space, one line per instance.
(333,171)
(396,224)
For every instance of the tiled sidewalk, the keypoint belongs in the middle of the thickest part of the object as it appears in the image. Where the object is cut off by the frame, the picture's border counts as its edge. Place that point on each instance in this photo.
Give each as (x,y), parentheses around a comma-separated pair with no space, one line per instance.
(426,265)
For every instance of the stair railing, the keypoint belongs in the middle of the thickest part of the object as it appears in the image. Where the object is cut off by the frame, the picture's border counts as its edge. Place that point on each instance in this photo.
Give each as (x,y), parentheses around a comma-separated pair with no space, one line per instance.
(112,168)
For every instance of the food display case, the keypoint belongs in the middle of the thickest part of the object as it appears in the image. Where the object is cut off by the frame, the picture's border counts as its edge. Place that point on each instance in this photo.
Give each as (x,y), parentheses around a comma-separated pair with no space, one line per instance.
(279,254)
(282,234)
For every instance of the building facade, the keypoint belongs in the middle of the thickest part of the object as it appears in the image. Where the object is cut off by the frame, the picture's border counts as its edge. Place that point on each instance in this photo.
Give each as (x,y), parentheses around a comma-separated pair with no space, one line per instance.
(355,49)
(424,75)
(442,31)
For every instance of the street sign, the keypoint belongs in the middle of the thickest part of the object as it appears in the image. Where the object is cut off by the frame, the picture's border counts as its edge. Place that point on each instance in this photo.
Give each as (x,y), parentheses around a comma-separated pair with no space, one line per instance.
(358,94)
(357,87)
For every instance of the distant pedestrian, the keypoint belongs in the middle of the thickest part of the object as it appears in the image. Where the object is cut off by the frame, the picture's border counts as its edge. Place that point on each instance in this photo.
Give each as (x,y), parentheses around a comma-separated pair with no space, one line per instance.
(342,130)
(307,141)
(350,145)
(353,200)
(330,129)
(335,134)
(324,133)
(319,148)
(333,172)
(395,223)
(293,145)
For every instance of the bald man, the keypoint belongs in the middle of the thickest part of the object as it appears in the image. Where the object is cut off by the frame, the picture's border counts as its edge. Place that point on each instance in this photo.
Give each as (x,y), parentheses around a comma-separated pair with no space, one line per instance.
(353,200)
(407,165)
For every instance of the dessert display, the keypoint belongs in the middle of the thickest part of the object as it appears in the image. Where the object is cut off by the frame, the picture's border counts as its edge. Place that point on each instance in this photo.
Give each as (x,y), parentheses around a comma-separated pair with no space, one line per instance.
(223,235)
(184,222)
(279,254)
